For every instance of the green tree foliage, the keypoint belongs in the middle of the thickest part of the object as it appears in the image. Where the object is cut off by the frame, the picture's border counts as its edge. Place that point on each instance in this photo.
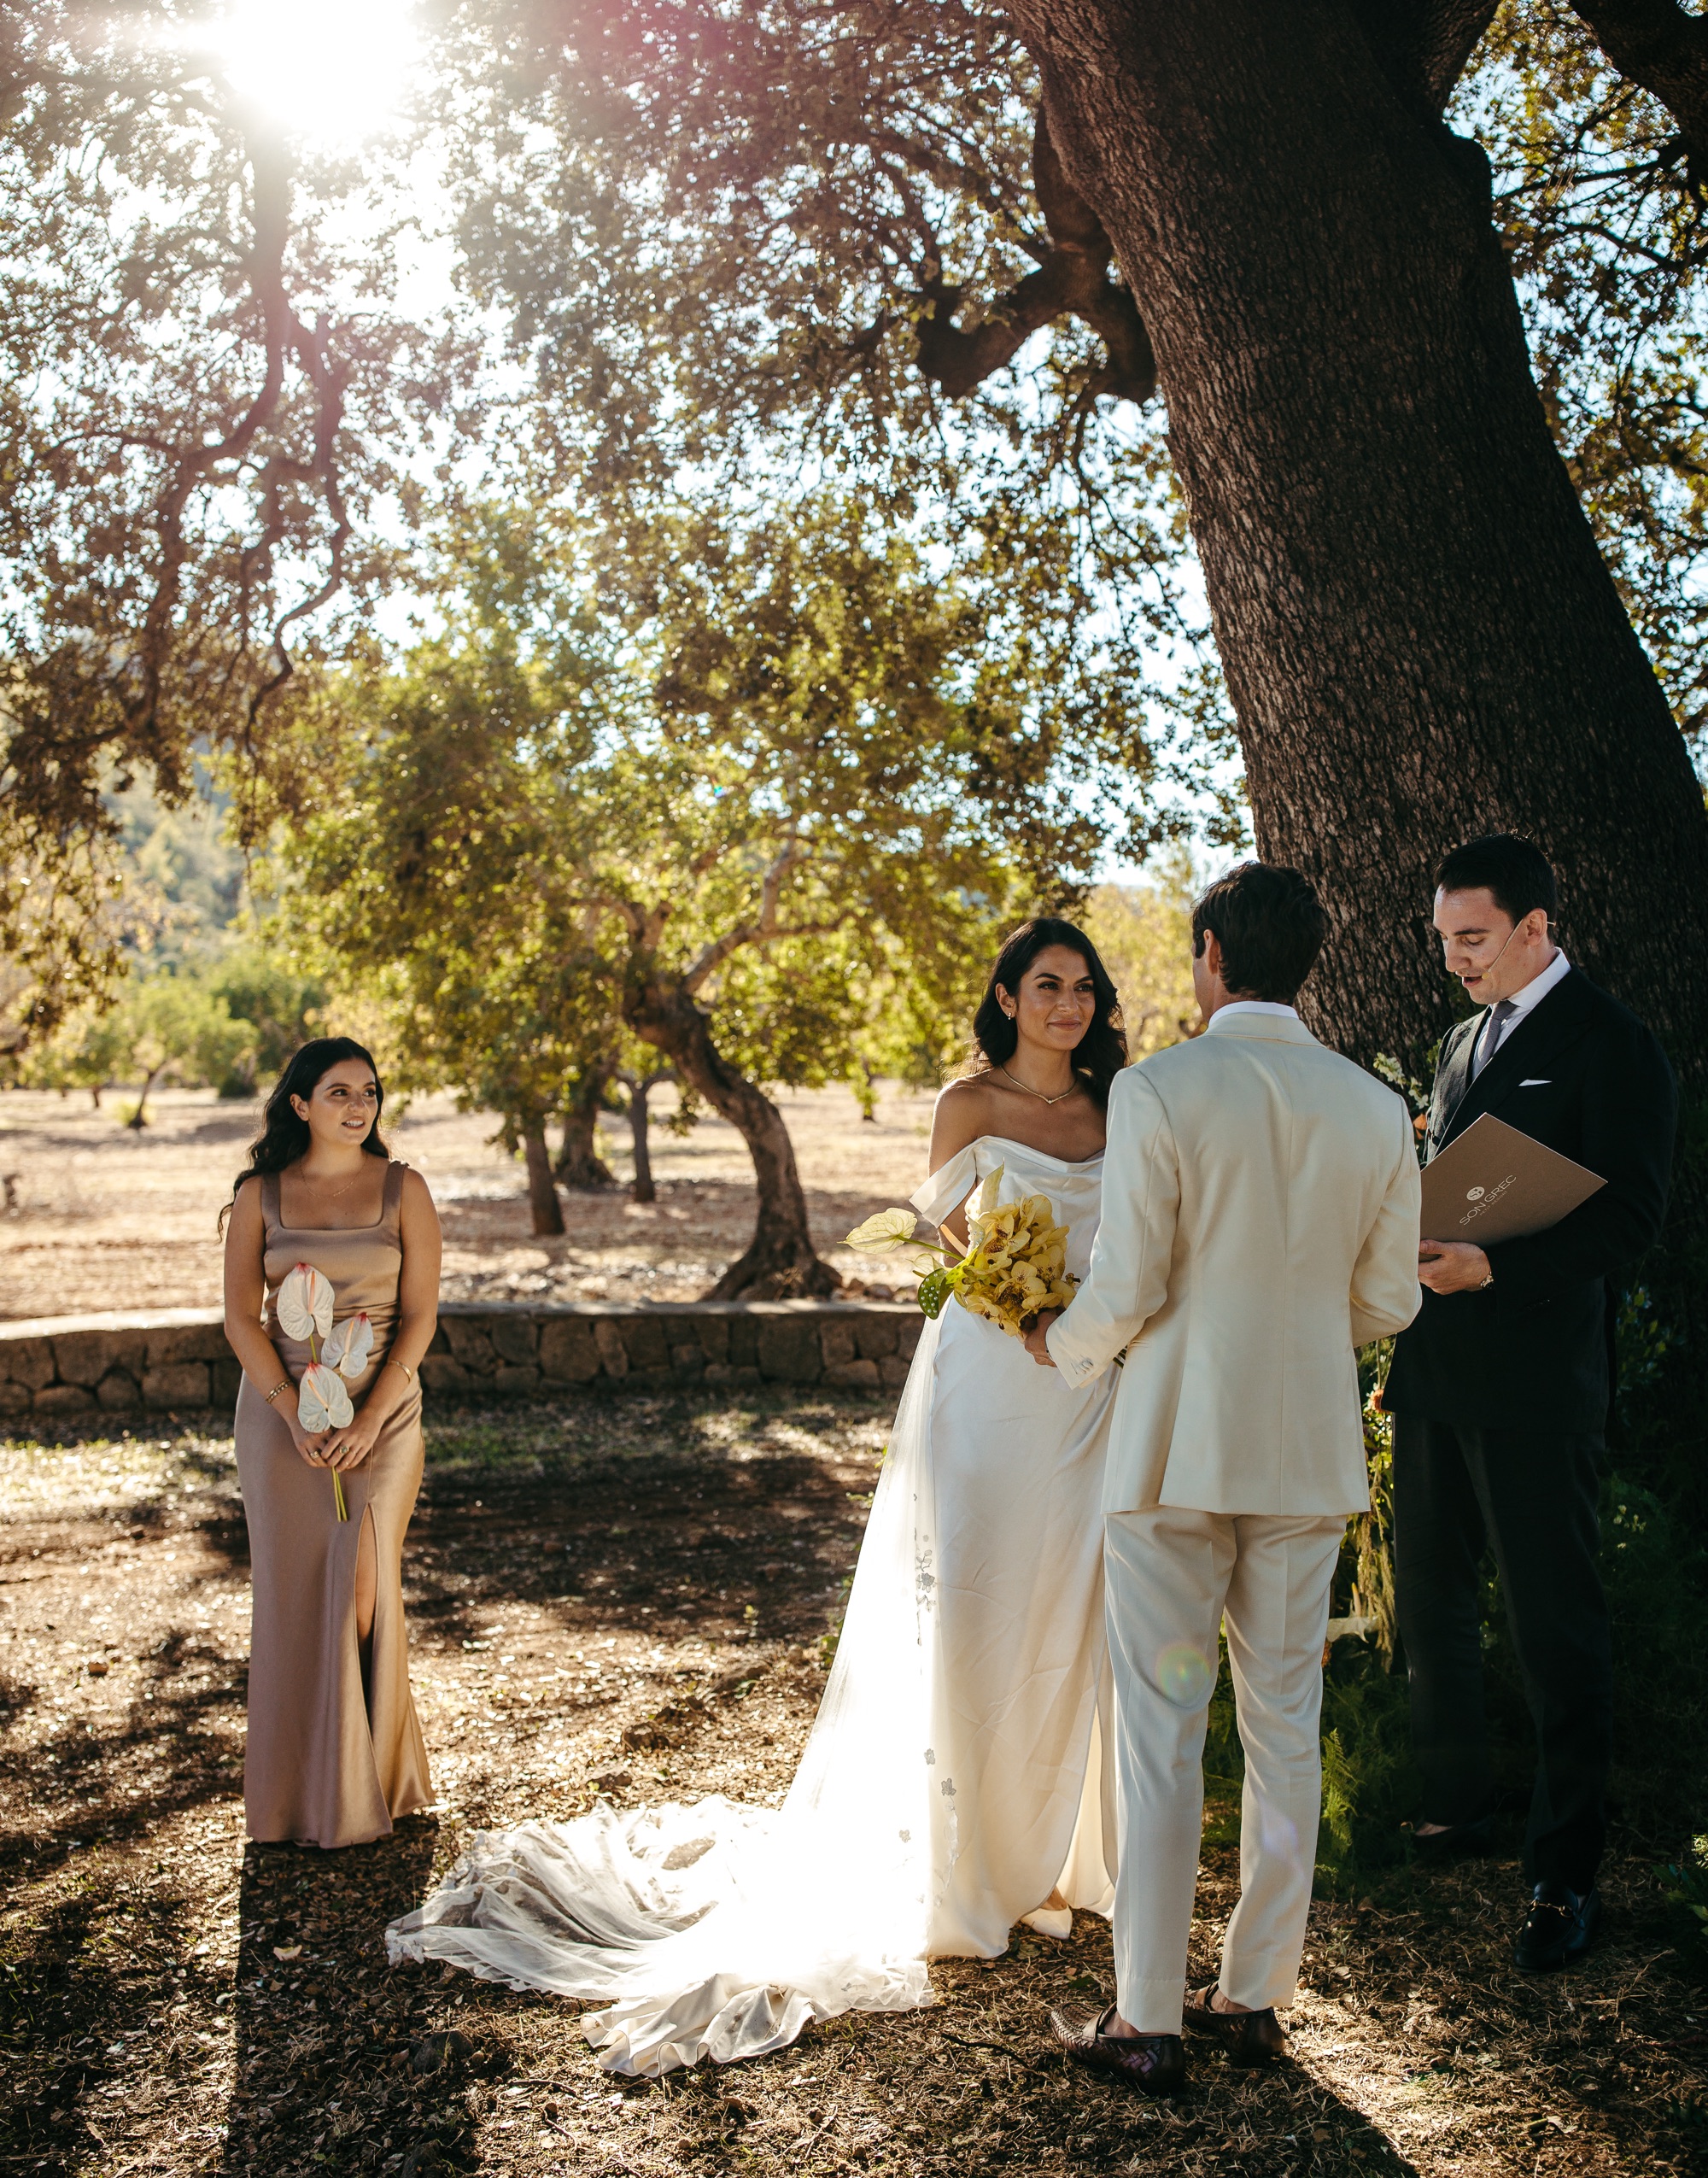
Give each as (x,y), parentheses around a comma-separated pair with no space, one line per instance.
(279,1008)
(716,783)
(841,229)
(1144,934)
(739,243)
(914,1029)
(1598,193)
(225,1018)
(207,393)
(182,862)
(735,240)
(166,1025)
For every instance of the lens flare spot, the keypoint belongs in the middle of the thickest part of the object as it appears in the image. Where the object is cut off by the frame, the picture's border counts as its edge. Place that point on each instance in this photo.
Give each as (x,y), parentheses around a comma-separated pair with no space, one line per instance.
(1184,1674)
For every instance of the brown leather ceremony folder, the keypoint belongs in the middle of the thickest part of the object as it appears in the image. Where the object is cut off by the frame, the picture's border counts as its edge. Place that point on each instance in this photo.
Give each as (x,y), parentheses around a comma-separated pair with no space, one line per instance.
(1496,1183)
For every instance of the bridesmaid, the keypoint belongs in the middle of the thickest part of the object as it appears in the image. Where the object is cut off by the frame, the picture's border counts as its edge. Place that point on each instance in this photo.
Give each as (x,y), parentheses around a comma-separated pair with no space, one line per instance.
(335,1752)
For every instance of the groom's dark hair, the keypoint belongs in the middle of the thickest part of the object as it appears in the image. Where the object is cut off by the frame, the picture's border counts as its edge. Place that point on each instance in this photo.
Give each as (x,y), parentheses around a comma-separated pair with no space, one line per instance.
(1269,924)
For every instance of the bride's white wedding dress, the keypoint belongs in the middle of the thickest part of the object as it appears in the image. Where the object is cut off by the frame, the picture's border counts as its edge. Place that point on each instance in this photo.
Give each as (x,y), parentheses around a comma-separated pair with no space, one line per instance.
(951,1780)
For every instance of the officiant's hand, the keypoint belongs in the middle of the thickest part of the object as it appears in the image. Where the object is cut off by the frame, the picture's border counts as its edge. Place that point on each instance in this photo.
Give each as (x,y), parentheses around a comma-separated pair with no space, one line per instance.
(1035,1339)
(1452,1266)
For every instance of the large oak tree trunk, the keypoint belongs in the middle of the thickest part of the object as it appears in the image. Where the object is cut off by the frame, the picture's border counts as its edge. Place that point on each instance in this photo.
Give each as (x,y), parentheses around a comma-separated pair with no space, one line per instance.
(1420,637)
(782,1262)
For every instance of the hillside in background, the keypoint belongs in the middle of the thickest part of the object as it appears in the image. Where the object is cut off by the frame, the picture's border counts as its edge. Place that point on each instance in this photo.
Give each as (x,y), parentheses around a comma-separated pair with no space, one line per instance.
(184,878)
(1144,934)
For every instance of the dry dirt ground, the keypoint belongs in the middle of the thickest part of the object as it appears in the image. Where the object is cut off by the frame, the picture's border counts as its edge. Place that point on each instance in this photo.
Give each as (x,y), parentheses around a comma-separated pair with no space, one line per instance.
(630,1596)
(93,1216)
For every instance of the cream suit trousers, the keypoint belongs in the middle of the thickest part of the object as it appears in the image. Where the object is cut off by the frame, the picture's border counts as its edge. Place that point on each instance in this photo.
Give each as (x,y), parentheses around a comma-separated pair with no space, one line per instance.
(1171,1576)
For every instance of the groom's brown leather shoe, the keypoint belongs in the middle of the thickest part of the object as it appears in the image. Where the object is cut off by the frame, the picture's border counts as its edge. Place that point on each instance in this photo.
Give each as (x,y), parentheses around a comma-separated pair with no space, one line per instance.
(1154,2064)
(1249,2037)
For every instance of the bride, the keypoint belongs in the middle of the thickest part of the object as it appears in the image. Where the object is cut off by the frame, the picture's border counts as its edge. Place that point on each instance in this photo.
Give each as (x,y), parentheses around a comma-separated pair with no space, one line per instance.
(951,1783)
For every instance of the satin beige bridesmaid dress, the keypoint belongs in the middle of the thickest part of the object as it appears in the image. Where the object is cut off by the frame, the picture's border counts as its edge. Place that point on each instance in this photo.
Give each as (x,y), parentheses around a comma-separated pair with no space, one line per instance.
(329,1762)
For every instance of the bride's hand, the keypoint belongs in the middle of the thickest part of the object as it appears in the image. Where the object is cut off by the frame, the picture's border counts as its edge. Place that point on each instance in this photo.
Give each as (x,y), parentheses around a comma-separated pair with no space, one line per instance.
(1036,1338)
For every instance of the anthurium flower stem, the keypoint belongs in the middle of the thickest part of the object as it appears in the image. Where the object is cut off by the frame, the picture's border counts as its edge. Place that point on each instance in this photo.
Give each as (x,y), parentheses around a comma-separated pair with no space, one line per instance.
(337,1479)
(306,1306)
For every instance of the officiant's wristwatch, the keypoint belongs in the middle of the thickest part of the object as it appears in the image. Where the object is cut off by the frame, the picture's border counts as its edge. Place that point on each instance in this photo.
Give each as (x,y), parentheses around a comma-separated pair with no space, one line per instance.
(1485,1285)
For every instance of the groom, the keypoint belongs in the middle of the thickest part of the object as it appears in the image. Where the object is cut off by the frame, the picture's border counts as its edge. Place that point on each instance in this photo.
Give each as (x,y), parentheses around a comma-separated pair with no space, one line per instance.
(1260,1220)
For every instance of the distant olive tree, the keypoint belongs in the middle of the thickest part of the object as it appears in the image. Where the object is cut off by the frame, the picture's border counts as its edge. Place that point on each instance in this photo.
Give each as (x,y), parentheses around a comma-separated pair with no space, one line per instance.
(724,798)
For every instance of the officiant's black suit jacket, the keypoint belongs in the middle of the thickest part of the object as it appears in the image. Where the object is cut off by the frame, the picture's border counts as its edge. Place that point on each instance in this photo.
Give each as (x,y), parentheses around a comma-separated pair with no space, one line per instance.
(1584,1076)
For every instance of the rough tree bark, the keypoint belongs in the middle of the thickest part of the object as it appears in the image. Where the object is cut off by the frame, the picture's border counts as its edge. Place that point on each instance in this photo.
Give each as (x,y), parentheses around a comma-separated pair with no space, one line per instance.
(579,1163)
(546,1210)
(1420,637)
(782,1262)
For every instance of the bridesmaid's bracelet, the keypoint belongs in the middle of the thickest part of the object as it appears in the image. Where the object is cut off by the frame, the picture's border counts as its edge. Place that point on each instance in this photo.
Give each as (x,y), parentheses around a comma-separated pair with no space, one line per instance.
(283,1384)
(408,1372)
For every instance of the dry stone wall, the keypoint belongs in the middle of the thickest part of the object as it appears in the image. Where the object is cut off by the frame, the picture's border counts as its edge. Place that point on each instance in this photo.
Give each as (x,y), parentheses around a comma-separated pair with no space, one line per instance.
(178,1359)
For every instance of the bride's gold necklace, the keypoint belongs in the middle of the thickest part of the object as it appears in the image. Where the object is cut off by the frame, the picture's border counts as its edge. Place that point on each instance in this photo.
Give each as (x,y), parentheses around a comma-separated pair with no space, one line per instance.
(1038,1093)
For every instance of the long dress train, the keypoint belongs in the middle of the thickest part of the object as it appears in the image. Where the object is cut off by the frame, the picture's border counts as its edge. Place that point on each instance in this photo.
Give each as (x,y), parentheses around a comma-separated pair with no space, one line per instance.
(951,1777)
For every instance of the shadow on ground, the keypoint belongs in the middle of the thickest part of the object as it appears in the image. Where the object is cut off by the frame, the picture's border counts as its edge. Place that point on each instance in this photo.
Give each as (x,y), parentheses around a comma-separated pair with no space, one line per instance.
(634,1596)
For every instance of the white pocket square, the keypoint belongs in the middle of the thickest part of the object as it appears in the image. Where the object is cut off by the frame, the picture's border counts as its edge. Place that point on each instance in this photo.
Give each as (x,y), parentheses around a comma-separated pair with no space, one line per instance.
(1536,1085)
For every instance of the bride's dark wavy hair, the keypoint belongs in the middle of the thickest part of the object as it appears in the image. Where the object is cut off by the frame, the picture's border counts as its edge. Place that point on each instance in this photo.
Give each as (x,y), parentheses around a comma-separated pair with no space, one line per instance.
(1100,1052)
(283,1137)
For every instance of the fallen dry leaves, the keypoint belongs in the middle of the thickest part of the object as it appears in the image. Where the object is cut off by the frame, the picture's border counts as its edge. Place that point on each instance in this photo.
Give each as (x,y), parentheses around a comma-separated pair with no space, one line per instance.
(633,1592)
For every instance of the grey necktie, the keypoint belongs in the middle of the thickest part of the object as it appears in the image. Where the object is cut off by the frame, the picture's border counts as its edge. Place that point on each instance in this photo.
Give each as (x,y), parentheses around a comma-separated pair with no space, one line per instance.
(1494,1029)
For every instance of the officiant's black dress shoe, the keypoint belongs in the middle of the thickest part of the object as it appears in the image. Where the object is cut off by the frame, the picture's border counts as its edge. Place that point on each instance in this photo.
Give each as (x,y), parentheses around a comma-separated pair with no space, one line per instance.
(1559,1927)
(1154,2064)
(1249,2037)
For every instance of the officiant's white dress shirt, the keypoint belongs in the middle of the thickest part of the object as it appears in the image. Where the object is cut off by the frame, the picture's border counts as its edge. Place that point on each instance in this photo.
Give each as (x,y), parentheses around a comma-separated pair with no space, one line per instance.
(1260,1222)
(1521,1002)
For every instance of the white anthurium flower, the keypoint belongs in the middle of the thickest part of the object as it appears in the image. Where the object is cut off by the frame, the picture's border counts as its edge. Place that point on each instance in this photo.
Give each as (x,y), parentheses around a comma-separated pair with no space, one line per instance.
(349,1346)
(322,1402)
(883,1234)
(305,1304)
(987,1194)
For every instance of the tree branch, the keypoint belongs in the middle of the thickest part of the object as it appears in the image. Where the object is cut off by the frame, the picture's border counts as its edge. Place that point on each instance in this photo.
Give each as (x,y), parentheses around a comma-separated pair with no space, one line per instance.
(330,380)
(718,950)
(269,173)
(1655,44)
(1072,280)
(1423,45)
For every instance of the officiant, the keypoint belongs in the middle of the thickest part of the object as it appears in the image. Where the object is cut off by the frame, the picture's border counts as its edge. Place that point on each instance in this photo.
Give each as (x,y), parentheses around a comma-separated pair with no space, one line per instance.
(1501,1388)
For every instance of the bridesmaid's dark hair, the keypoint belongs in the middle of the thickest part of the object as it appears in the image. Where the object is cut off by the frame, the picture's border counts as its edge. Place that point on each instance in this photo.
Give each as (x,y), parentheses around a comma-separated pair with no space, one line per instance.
(1100,1052)
(283,1137)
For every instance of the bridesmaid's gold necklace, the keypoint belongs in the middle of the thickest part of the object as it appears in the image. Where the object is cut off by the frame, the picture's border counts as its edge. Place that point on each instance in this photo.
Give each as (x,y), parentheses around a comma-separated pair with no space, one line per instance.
(1038,1093)
(333,1194)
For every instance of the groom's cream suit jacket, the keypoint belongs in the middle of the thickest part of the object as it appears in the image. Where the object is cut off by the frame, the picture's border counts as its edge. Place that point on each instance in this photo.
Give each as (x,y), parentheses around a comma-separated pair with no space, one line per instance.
(1259,1221)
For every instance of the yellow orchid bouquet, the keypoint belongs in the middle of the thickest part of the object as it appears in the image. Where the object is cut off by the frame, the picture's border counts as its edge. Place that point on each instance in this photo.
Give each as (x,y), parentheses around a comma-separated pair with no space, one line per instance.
(304,1308)
(1015,1265)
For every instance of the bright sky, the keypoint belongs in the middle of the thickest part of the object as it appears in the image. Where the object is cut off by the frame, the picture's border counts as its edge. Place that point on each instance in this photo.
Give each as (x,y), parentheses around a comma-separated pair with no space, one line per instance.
(330,71)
